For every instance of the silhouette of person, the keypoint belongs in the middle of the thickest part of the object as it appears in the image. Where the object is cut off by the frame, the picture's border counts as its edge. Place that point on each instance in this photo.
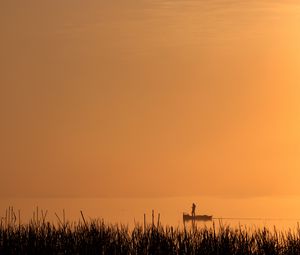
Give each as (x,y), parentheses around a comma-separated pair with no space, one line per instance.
(193,209)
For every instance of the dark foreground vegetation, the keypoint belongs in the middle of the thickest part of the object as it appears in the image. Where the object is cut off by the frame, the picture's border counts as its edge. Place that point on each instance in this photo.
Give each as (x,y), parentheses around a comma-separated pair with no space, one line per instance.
(97,237)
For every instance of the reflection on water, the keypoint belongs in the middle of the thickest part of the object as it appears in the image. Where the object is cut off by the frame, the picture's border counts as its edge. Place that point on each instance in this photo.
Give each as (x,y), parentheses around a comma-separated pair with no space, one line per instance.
(165,43)
(163,25)
(148,90)
(284,213)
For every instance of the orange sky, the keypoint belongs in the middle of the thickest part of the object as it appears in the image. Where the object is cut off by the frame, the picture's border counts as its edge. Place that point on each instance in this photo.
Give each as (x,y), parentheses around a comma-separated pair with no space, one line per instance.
(149,98)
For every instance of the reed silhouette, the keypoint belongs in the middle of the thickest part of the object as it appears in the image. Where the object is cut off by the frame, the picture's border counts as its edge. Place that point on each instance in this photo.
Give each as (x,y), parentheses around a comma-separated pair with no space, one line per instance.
(39,236)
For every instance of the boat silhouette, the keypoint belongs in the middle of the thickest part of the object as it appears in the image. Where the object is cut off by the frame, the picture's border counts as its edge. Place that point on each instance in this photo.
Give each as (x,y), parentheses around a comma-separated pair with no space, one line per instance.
(188,217)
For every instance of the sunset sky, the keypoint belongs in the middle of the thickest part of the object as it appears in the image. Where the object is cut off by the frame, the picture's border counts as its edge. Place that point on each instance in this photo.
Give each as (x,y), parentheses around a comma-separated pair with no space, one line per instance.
(149,98)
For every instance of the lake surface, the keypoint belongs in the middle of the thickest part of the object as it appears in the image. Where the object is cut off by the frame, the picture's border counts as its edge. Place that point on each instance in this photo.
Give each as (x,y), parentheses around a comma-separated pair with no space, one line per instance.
(283,212)
(145,66)
(109,94)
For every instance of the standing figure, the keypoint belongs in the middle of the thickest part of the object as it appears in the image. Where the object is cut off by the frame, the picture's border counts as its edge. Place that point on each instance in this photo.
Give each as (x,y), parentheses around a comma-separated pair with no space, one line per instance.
(193,210)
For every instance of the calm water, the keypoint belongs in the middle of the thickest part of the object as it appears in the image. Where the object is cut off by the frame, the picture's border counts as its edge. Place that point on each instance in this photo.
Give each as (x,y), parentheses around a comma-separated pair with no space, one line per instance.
(163,43)
(282,212)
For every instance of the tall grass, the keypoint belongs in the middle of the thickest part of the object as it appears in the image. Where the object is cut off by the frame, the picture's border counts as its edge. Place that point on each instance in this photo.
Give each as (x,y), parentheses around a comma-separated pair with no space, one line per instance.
(97,237)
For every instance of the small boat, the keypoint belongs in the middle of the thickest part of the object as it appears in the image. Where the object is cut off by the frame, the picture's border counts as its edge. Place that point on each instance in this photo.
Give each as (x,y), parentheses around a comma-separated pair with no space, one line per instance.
(188,217)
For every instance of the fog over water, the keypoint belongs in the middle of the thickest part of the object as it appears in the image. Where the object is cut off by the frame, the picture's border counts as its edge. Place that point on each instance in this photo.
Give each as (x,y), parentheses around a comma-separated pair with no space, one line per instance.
(120,107)
(283,212)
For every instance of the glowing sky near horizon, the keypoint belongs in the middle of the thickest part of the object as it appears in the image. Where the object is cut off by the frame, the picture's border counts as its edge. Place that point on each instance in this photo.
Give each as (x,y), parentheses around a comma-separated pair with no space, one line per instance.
(149,98)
